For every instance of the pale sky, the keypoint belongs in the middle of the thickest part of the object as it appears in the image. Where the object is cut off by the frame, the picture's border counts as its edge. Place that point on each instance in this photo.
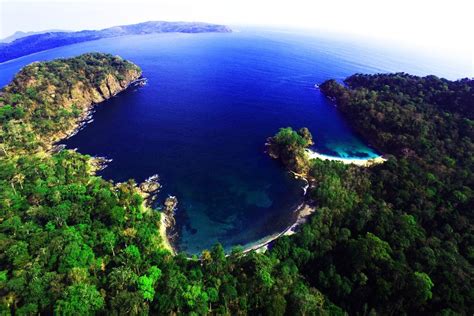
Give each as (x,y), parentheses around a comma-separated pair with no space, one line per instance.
(442,25)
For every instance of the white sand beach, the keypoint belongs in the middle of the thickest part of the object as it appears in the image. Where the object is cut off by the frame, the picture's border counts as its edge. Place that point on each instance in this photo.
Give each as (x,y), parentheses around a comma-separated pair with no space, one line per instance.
(355,161)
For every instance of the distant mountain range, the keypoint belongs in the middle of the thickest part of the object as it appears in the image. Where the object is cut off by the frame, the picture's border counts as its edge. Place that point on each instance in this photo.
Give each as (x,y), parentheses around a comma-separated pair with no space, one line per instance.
(21,34)
(23,44)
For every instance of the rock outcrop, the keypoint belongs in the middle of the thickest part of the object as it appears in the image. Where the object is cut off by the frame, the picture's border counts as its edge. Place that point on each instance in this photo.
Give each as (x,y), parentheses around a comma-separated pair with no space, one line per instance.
(149,189)
(170,204)
(150,185)
(169,230)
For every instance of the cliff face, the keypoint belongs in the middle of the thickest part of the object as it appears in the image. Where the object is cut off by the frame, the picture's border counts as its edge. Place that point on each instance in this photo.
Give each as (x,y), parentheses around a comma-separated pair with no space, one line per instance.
(50,99)
(83,94)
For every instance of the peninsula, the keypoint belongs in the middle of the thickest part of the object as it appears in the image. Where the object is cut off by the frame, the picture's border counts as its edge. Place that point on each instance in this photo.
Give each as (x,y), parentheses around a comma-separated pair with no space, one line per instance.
(26,45)
(47,101)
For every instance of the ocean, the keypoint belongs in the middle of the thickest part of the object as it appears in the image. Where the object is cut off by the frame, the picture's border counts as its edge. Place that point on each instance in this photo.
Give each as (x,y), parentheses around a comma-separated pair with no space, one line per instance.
(202,120)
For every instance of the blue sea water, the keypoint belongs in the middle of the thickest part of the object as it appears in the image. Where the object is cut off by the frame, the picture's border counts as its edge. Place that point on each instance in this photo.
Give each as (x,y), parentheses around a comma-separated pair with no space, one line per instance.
(202,120)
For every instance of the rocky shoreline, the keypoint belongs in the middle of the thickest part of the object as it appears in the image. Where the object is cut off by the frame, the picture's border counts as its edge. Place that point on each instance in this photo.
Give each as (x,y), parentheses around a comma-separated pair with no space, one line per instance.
(169,233)
(149,190)
(301,215)
(69,90)
(86,117)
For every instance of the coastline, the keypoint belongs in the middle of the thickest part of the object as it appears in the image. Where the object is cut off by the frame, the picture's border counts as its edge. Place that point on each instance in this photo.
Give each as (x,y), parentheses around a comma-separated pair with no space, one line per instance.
(305,210)
(149,190)
(98,163)
(362,162)
(302,212)
(164,222)
(165,241)
(86,117)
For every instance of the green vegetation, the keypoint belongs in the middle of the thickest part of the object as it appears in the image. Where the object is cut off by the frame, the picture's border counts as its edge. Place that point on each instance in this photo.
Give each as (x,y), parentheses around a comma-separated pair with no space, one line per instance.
(392,239)
(289,145)
(398,237)
(45,100)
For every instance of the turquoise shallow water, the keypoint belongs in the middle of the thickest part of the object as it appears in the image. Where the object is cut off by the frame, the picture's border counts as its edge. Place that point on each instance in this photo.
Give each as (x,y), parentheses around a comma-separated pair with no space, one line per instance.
(202,120)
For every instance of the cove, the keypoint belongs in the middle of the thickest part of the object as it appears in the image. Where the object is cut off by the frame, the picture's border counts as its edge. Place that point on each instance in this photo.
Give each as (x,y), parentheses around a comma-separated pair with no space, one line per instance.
(202,120)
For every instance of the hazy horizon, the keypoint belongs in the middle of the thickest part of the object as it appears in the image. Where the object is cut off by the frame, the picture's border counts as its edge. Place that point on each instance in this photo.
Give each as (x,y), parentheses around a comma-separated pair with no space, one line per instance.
(433,28)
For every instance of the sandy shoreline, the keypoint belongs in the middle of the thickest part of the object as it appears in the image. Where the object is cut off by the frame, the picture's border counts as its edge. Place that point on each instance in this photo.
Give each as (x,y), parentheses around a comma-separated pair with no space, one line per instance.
(163,223)
(163,234)
(363,162)
(303,212)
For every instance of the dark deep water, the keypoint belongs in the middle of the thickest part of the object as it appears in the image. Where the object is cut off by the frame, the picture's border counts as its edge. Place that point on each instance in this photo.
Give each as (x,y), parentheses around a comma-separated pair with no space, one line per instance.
(202,120)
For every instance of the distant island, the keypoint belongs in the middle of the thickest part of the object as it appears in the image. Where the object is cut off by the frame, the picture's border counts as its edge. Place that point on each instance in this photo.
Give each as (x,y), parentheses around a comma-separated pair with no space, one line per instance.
(25,45)
(21,34)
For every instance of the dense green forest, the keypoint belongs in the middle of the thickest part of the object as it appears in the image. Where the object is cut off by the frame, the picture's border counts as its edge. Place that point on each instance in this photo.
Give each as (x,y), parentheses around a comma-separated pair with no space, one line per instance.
(392,239)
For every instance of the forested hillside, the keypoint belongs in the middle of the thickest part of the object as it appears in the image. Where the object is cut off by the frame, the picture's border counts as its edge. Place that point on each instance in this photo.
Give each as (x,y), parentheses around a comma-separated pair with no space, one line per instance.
(396,238)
